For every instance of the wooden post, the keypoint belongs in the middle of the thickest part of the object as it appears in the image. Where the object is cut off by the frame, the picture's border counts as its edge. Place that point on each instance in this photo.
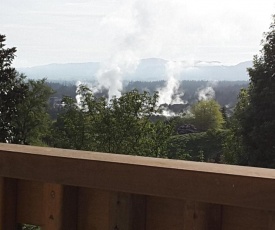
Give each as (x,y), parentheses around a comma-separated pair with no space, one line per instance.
(53,197)
(1,201)
(8,194)
(202,216)
(39,204)
(238,218)
(165,213)
(70,208)
(93,209)
(139,210)
(271,225)
(120,211)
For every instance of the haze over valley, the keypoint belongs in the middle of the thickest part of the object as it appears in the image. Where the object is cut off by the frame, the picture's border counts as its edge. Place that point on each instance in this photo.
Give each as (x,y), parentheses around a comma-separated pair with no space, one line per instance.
(151,69)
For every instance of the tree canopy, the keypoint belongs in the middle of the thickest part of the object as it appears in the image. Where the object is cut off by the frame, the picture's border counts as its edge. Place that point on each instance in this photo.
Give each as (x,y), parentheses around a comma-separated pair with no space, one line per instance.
(255,109)
(207,115)
(23,104)
(120,126)
(13,90)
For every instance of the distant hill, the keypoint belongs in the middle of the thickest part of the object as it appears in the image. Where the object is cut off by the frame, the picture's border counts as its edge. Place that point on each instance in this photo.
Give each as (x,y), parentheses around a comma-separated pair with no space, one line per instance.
(150,69)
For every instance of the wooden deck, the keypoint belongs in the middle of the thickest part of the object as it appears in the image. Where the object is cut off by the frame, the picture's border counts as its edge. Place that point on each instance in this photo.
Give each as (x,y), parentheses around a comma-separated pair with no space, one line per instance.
(69,189)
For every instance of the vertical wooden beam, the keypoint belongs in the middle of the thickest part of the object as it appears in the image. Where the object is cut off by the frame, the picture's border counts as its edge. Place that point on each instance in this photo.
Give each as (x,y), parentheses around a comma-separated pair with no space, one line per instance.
(271,224)
(30,206)
(8,204)
(70,208)
(139,210)
(214,216)
(40,204)
(165,213)
(93,209)
(238,218)
(120,208)
(106,210)
(189,215)
(53,197)
(127,211)
(1,201)
(202,216)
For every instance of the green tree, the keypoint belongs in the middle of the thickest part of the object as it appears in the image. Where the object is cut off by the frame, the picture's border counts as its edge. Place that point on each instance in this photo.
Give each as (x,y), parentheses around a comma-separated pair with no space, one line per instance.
(203,146)
(257,119)
(70,130)
(121,126)
(13,90)
(207,115)
(33,121)
(233,151)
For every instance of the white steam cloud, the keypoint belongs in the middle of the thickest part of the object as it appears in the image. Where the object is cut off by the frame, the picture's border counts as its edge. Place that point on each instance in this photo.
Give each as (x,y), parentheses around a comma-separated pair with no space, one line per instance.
(170,94)
(207,93)
(110,75)
(131,43)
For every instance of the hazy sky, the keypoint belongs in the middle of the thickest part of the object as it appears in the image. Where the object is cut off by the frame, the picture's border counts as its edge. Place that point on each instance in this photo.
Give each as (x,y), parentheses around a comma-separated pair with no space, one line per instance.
(61,31)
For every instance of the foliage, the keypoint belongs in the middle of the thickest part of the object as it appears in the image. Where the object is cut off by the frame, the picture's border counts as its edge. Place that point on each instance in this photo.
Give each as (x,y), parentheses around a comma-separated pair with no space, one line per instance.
(207,115)
(33,121)
(234,152)
(120,126)
(204,146)
(13,90)
(256,115)
(28,227)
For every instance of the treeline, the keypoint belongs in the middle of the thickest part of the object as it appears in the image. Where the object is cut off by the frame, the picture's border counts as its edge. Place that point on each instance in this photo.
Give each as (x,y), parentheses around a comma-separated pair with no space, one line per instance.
(226,92)
(134,124)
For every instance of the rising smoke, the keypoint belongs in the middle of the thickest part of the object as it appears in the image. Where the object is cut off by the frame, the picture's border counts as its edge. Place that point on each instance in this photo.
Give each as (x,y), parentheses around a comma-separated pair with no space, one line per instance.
(208,92)
(170,93)
(110,75)
(125,58)
(147,28)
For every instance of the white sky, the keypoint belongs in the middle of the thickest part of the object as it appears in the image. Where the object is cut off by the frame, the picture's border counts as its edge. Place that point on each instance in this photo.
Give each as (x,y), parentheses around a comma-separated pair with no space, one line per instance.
(62,31)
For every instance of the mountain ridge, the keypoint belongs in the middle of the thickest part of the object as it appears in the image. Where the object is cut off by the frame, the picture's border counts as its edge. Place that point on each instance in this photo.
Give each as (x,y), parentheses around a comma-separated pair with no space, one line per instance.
(150,69)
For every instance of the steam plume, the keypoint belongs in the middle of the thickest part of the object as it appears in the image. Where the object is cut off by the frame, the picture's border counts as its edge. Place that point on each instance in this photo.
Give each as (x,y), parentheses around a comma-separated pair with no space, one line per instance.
(170,94)
(207,93)
(111,73)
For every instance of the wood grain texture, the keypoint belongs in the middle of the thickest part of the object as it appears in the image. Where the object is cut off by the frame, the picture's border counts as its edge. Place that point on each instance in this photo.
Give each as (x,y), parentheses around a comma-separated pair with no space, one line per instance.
(9,204)
(70,208)
(39,204)
(2,209)
(222,184)
(30,205)
(93,209)
(235,218)
(165,213)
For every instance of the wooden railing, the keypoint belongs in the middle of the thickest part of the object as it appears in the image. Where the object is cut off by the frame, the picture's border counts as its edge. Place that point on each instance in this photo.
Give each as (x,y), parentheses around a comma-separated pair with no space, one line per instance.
(68,189)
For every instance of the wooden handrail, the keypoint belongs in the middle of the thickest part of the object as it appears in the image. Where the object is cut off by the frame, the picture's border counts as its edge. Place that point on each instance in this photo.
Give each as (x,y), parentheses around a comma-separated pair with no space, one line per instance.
(205,182)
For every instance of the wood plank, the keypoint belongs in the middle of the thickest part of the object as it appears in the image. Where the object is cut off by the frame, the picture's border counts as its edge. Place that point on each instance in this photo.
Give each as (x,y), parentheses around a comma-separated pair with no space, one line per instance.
(222,184)
(271,224)
(139,210)
(235,218)
(127,211)
(1,202)
(214,216)
(70,208)
(165,213)
(30,206)
(9,204)
(120,211)
(93,209)
(202,216)
(52,199)
(39,204)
